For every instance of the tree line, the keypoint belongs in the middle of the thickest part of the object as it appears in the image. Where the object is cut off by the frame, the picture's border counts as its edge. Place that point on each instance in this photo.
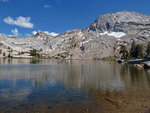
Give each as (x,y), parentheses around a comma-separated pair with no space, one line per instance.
(136,51)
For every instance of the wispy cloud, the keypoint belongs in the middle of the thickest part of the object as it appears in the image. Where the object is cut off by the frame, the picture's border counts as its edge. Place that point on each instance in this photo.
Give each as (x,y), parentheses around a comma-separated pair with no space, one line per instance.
(53,34)
(15,32)
(19,21)
(4,0)
(47,6)
(34,32)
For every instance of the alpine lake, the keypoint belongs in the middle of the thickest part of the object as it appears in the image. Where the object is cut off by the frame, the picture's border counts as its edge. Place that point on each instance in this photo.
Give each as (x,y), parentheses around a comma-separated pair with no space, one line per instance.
(72,86)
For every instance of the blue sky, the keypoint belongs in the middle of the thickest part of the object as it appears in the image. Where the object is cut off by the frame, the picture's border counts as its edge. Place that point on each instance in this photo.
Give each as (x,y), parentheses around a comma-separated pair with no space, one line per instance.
(25,16)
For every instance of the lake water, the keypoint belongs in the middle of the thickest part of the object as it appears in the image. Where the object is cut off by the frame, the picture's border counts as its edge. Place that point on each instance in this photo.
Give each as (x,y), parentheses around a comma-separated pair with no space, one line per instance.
(59,86)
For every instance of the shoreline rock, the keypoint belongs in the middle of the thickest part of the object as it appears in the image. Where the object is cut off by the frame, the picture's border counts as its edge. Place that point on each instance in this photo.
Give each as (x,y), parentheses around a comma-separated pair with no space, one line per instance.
(138,66)
(147,64)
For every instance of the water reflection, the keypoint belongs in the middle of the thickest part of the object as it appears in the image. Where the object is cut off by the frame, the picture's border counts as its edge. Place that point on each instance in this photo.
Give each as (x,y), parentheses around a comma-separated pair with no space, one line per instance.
(44,84)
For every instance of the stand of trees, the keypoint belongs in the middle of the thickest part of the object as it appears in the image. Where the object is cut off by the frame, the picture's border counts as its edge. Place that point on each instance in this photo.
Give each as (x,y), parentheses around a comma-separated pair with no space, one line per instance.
(136,51)
(148,49)
(124,52)
(34,53)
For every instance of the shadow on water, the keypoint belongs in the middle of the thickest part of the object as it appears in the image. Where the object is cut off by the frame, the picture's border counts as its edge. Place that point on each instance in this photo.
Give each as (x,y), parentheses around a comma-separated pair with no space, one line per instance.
(72,86)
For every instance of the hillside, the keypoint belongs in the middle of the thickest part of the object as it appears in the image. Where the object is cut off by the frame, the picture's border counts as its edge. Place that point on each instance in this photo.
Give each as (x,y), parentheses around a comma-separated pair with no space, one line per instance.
(102,38)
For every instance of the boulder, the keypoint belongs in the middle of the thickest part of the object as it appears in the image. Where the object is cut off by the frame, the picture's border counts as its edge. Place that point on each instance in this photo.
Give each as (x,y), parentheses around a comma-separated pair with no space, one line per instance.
(138,66)
(146,64)
(120,61)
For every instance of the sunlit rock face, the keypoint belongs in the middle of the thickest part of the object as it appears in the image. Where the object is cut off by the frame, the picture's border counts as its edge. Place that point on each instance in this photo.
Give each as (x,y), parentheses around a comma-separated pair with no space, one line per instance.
(41,35)
(124,21)
(103,38)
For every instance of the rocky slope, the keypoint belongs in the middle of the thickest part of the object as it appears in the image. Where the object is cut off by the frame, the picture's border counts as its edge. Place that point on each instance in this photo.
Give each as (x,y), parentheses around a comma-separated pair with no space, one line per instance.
(127,22)
(103,38)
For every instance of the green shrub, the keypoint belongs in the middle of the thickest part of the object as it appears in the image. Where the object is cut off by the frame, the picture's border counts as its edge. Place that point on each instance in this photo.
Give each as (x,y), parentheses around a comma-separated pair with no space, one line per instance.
(34,53)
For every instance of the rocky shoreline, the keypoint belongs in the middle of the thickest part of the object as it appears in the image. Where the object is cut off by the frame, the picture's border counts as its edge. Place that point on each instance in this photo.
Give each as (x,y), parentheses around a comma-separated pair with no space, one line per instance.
(138,63)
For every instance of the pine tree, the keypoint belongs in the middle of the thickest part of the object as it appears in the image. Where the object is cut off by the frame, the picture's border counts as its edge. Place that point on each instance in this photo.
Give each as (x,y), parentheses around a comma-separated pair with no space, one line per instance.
(136,50)
(124,52)
(148,49)
(34,53)
(132,51)
(139,51)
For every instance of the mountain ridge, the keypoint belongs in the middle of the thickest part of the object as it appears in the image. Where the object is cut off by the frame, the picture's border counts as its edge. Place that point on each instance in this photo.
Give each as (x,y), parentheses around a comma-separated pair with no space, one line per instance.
(114,21)
(102,38)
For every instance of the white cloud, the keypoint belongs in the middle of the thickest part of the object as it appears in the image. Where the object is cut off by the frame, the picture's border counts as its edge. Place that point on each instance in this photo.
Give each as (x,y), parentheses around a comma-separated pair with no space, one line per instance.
(27,35)
(51,34)
(15,32)
(34,32)
(20,21)
(47,32)
(47,6)
(4,0)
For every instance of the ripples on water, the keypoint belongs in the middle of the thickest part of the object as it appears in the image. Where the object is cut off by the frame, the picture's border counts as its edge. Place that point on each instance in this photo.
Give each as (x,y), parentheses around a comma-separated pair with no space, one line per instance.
(60,86)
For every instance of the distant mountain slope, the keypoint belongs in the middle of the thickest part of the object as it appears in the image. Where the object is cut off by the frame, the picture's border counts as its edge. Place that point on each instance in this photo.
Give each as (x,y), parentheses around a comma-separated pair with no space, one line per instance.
(124,21)
(103,38)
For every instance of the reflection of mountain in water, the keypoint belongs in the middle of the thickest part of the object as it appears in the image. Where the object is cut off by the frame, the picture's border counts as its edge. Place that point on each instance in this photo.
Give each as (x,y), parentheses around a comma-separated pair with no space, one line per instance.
(47,82)
(76,74)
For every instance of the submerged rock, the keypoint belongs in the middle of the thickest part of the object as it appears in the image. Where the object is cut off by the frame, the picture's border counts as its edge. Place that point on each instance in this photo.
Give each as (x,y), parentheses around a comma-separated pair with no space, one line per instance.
(138,66)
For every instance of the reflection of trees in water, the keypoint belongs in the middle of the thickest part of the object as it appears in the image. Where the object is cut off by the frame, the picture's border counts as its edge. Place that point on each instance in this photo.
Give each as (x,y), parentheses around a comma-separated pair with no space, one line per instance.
(147,73)
(134,77)
(34,61)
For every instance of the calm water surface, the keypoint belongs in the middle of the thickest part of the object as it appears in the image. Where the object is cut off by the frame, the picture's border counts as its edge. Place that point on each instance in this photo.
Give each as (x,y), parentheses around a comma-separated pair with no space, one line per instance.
(59,86)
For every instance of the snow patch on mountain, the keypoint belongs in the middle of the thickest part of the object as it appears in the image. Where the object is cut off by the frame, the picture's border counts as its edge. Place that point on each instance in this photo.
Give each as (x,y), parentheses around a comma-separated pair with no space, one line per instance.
(114,34)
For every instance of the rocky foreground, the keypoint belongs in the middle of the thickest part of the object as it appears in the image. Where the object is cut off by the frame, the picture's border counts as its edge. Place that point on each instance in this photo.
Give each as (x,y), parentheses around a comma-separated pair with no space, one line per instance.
(103,38)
